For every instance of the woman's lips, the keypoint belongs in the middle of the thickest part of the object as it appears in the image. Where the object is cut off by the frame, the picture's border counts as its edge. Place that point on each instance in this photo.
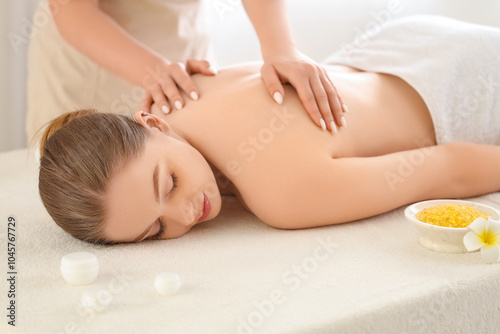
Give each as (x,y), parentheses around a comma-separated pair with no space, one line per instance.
(206,208)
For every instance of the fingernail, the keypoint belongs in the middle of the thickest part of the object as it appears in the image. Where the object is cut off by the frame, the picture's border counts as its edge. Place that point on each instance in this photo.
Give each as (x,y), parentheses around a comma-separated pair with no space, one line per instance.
(323,124)
(333,126)
(165,109)
(143,113)
(178,105)
(194,95)
(342,120)
(345,108)
(278,97)
(213,70)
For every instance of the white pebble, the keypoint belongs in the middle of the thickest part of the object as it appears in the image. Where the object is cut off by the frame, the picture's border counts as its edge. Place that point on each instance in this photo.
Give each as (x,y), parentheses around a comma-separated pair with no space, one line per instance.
(167,283)
(96,299)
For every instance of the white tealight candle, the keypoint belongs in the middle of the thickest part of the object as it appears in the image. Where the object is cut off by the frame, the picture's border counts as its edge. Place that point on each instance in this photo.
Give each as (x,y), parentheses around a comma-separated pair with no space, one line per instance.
(167,283)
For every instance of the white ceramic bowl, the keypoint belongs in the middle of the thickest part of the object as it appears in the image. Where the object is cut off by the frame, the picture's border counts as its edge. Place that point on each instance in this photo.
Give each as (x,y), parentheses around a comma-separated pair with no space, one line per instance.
(444,239)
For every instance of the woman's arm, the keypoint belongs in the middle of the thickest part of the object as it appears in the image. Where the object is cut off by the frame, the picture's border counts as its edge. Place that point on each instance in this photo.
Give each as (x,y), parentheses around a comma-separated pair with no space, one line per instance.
(284,64)
(348,189)
(88,29)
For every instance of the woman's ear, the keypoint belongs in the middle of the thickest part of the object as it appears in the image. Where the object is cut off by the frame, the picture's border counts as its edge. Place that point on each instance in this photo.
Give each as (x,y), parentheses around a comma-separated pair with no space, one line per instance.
(150,121)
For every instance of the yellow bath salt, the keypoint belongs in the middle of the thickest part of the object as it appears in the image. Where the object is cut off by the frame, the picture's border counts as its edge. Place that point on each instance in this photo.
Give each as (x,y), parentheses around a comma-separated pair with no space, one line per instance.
(450,215)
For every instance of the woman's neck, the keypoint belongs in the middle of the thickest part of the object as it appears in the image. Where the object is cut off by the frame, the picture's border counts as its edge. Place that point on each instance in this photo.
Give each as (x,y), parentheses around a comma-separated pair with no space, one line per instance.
(176,134)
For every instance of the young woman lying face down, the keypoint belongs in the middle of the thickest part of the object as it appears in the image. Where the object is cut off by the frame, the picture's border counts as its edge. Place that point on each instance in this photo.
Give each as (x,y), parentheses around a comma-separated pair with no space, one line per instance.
(107,178)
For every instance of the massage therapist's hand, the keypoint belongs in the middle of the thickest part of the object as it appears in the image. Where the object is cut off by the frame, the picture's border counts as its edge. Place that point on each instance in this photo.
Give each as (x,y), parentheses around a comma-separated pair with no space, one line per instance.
(315,89)
(164,83)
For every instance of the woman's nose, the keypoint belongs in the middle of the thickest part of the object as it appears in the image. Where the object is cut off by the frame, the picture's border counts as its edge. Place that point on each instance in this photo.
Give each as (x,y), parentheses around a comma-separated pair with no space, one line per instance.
(183,213)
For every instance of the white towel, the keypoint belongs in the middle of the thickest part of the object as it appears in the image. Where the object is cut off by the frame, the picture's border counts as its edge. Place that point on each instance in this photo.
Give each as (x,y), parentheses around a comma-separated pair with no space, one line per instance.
(453,65)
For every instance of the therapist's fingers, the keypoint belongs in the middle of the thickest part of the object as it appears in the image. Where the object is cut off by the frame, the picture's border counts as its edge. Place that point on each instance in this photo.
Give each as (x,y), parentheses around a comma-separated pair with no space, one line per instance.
(321,97)
(308,99)
(336,103)
(165,92)
(146,102)
(200,66)
(273,83)
(186,84)
(170,88)
(159,98)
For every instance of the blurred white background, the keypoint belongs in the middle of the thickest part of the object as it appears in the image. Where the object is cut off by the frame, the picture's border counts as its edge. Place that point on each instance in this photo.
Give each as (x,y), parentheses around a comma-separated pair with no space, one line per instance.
(320,27)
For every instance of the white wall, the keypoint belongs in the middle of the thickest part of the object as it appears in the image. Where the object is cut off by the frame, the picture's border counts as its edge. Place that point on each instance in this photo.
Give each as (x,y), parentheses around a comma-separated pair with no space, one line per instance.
(319,26)
(14,29)
(322,26)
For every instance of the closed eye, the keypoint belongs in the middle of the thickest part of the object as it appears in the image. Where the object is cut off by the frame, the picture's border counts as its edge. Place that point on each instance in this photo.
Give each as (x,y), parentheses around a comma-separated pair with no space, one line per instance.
(161,232)
(174,183)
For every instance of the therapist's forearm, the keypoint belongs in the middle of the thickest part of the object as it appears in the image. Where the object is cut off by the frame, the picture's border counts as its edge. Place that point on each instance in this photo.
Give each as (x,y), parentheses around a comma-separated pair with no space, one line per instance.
(271,25)
(84,26)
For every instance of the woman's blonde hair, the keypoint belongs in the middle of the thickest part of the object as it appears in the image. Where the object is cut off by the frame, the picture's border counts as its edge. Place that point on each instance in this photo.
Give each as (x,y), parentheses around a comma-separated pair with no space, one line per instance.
(79,151)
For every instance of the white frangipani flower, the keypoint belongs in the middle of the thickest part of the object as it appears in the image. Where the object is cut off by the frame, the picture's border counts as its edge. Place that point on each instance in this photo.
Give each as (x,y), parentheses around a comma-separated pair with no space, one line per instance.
(484,235)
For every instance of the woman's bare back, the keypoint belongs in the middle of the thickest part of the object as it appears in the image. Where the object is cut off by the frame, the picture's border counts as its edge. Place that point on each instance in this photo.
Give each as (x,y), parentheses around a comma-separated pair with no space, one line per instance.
(386,115)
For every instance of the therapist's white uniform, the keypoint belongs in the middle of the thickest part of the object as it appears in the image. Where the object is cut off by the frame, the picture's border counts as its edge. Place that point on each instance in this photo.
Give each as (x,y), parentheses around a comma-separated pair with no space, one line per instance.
(61,79)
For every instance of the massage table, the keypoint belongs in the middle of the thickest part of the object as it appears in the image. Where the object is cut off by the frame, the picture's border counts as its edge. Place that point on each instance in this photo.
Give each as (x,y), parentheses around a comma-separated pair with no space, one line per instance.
(241,276)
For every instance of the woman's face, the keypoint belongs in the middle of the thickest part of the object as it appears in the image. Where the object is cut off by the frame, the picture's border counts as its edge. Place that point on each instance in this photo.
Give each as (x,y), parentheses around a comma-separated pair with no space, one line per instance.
(163,193)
